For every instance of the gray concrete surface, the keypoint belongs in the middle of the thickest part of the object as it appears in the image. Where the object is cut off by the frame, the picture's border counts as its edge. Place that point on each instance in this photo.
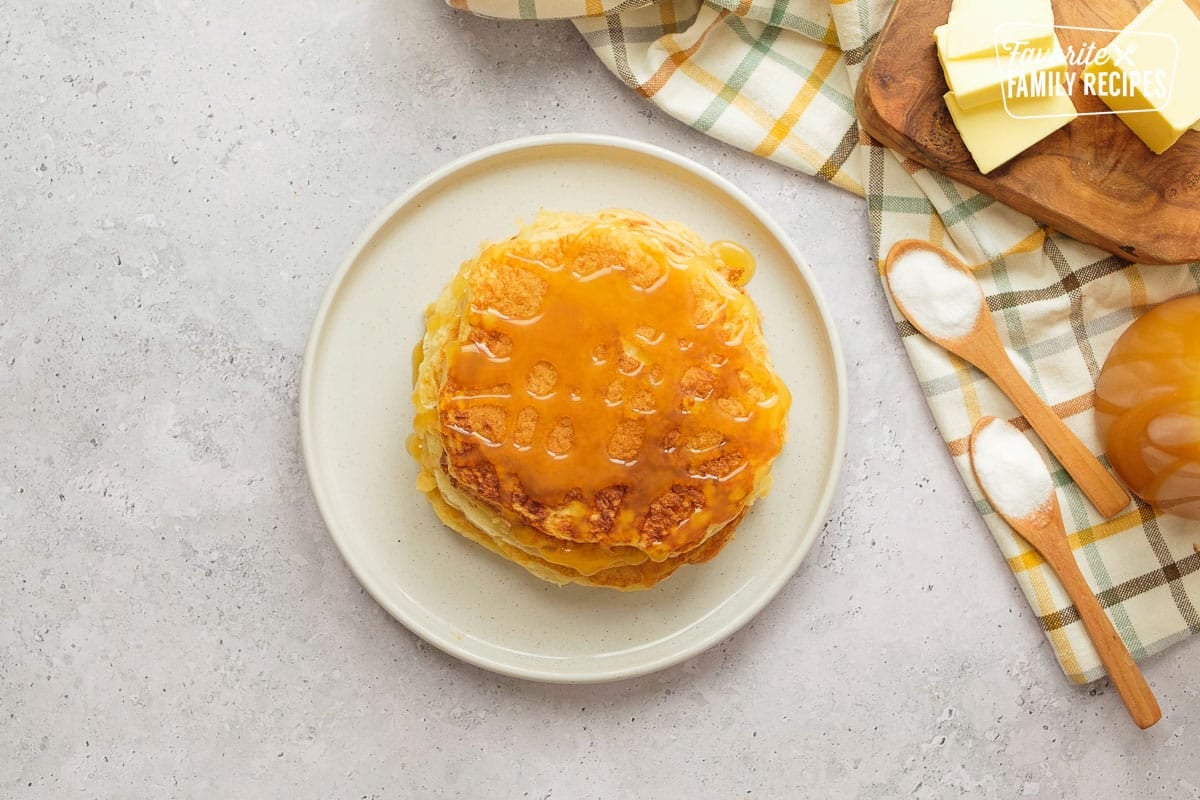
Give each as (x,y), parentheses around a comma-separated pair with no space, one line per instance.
(179,181)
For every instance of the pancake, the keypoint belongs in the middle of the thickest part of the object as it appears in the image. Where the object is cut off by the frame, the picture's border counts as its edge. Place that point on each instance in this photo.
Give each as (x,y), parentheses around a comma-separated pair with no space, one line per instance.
(594,399)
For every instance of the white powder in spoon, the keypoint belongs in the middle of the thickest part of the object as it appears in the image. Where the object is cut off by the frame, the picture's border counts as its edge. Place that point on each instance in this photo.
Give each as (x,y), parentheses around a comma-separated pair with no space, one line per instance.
(934,295)
(1012,473)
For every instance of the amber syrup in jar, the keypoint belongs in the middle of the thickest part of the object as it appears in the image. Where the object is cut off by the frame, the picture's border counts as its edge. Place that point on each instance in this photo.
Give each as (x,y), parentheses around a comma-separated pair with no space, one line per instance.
(1148,407)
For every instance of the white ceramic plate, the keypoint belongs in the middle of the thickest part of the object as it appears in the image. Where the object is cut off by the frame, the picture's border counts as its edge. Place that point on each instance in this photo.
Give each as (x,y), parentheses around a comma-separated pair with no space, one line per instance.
(355,412)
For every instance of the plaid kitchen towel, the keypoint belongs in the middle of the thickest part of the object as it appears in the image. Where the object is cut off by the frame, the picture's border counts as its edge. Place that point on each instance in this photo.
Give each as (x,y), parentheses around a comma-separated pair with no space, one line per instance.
(776,78)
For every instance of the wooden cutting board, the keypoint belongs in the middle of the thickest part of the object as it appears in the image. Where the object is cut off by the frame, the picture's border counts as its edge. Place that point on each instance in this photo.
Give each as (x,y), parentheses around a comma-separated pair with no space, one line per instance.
(1094,179)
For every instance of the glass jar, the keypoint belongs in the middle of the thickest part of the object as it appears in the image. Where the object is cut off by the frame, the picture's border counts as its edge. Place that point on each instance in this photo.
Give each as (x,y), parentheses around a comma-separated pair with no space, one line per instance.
(1148,407)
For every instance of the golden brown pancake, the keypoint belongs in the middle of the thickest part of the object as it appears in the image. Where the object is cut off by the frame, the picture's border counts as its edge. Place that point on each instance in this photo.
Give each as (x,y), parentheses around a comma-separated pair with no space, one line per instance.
(595,401)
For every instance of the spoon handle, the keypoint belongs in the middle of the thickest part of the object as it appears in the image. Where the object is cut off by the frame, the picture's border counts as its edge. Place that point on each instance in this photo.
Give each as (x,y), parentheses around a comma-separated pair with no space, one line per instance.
(1100,487)
(1122,669)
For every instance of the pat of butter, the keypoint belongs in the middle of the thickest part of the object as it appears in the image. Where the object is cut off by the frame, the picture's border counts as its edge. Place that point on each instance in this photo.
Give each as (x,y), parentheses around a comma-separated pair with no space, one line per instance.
(1023,71)
(1150,73)
(976,27)
(994,133)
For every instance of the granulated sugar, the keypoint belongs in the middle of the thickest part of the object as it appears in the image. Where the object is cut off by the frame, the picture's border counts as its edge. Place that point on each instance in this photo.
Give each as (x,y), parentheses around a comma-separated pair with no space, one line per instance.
(935,296)
(1010,470)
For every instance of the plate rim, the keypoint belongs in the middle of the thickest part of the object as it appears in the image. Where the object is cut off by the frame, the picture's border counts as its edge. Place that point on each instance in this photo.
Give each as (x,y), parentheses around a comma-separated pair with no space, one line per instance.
(446,643)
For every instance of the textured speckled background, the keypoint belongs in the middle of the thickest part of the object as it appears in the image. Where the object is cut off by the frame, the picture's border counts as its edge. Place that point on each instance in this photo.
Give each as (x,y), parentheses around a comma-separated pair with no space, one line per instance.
(178,183)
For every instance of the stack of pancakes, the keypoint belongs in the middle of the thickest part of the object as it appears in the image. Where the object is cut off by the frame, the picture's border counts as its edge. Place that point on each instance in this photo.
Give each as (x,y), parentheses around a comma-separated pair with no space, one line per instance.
(595,401)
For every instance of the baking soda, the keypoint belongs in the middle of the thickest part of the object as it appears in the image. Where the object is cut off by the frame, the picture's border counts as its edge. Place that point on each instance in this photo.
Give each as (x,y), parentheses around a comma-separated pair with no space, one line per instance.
(1011,471)
(935,296)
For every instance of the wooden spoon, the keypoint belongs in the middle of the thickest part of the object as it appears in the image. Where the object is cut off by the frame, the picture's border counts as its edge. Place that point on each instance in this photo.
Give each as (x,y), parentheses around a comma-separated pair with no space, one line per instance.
(981,346)
(1043,529)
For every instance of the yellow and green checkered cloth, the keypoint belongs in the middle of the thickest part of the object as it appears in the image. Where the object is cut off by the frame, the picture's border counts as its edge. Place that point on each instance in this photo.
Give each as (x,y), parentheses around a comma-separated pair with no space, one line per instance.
(777,78)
